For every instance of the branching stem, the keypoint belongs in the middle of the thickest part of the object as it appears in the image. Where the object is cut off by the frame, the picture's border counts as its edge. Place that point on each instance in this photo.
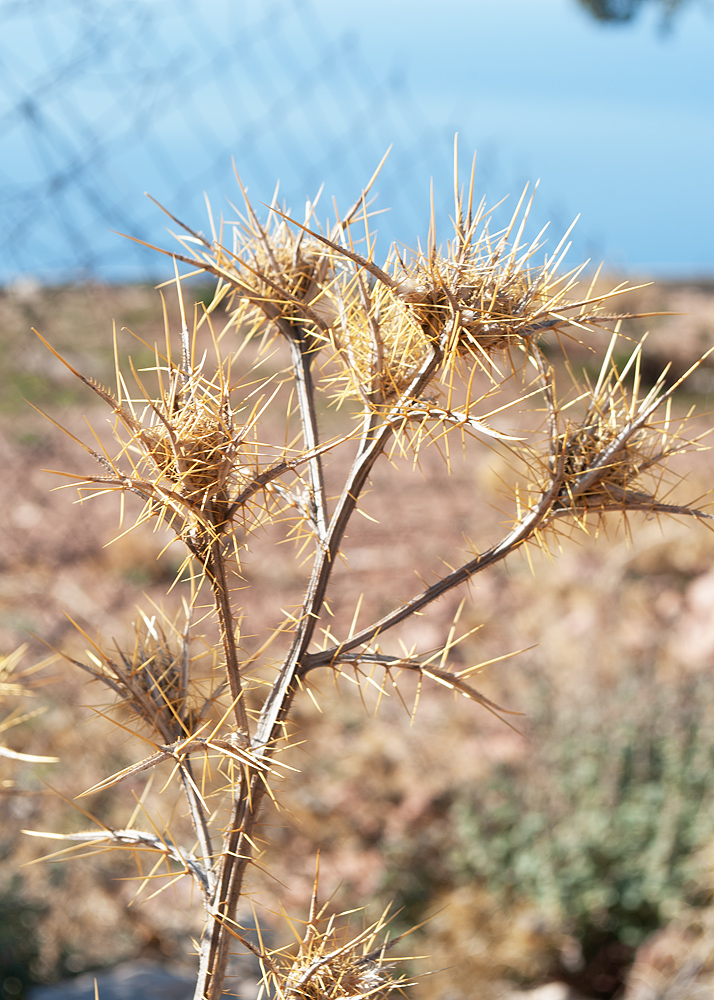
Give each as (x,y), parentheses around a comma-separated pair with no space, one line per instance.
(238,849)
(515,538)
(217,573)
(302,367)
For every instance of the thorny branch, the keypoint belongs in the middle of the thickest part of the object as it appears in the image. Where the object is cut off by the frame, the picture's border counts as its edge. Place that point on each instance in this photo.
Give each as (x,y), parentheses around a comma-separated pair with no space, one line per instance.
(141,838)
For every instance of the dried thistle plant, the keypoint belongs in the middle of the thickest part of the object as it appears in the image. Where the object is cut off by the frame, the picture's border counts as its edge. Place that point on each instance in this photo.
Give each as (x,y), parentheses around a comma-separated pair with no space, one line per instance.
(435,346)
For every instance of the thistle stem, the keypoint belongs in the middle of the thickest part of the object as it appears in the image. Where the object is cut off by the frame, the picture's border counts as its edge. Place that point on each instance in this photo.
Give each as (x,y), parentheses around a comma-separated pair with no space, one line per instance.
(217,572)
(237,850)
(302,368)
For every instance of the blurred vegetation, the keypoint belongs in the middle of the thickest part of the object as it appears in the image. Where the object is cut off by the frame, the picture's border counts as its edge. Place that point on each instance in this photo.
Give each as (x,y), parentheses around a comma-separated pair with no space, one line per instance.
(19,944)
(623,11)
(602,828)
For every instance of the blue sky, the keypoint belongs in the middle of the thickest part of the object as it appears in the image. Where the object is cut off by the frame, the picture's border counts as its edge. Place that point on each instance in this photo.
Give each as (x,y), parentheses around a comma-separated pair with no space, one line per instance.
(617,122)
(100,103)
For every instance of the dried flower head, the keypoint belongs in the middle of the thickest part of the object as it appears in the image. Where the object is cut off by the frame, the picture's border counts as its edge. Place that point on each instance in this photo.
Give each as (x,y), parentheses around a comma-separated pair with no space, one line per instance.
(155,678)
(379,344)
(282,277)
(192,444)
(487,293)
(615,456)
(183,453)
(331,965)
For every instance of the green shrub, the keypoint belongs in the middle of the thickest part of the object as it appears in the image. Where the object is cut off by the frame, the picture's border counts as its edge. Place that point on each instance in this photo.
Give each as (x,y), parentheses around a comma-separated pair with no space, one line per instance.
(19,948)
(603,823)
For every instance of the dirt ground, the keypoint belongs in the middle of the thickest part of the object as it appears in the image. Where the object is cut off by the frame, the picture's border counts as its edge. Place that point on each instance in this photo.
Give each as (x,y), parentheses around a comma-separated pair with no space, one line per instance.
(378,794)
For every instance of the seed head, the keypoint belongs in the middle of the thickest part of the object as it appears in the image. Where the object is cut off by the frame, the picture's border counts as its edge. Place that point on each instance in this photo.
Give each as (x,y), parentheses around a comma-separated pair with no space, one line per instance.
(151,676)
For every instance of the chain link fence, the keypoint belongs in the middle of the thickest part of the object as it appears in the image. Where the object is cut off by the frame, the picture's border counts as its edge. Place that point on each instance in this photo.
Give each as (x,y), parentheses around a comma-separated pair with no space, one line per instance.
(102,100)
